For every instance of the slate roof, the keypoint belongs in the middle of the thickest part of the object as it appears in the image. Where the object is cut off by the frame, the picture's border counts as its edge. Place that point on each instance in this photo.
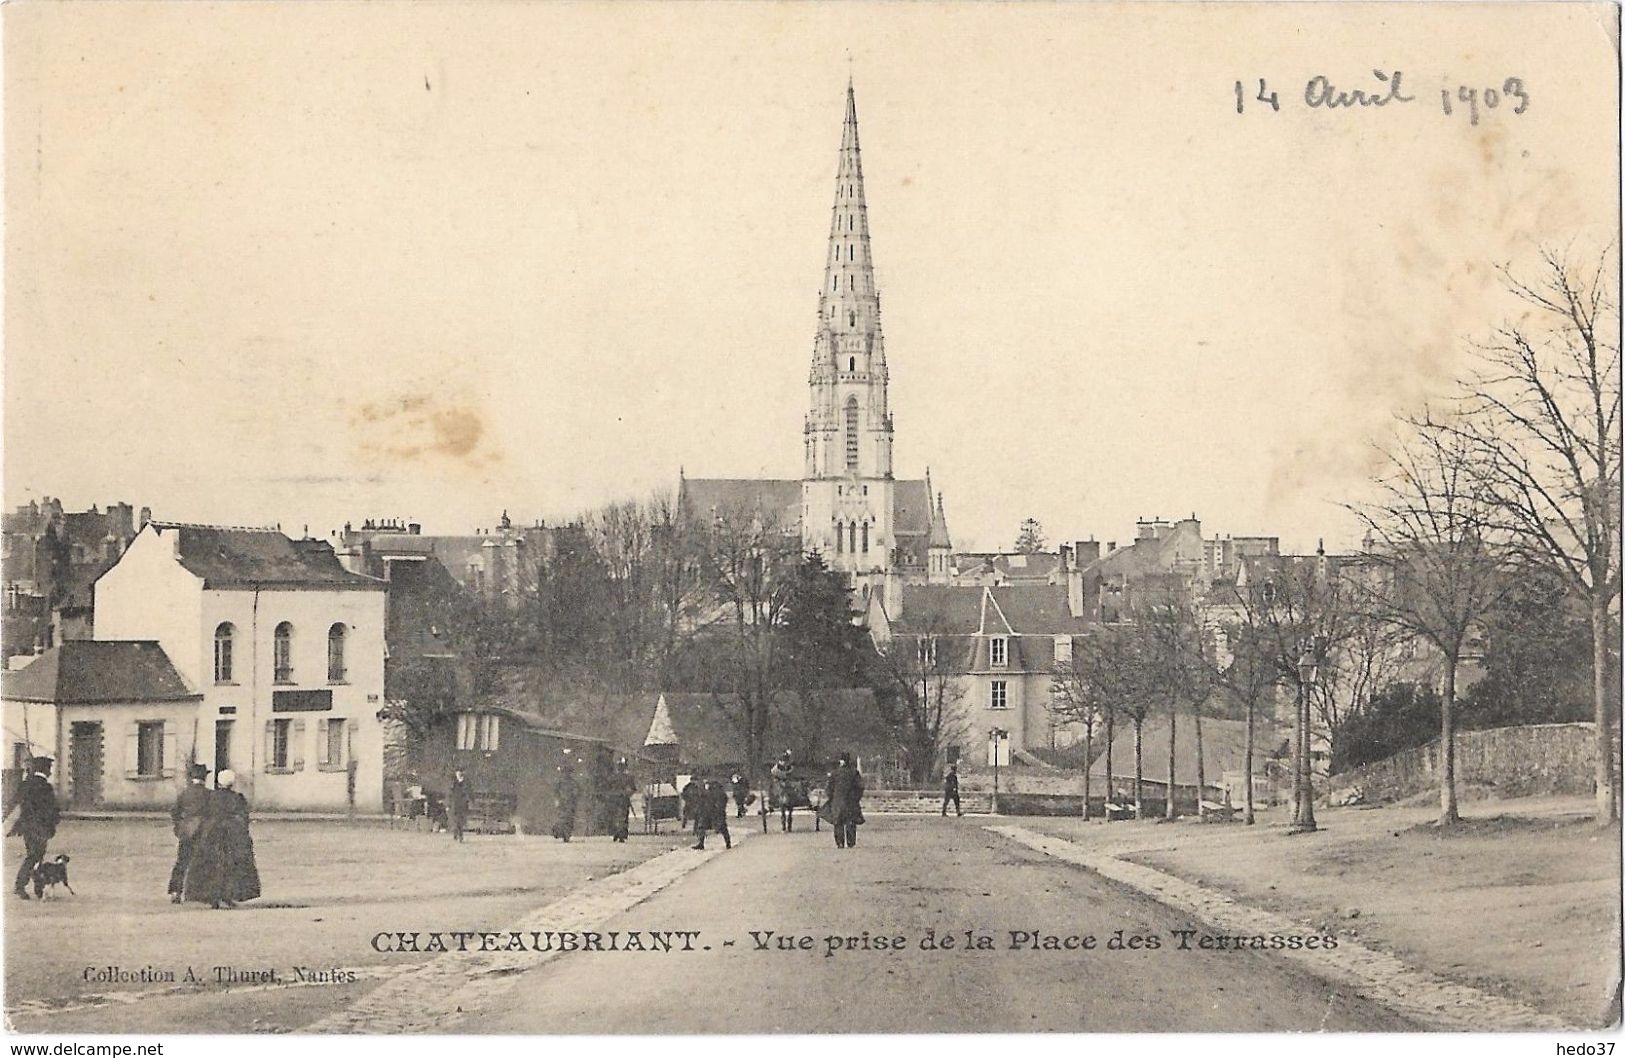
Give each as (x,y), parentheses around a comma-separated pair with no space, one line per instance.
(911,508)
(776,498)
(255,558)
(1026,609)
(92,671)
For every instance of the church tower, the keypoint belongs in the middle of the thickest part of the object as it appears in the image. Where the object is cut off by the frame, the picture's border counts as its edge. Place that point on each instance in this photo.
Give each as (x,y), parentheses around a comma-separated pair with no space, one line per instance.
(847,486)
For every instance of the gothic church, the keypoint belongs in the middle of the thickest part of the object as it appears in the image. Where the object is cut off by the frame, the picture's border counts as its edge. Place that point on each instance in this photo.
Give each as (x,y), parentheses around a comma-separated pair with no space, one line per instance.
(847,506)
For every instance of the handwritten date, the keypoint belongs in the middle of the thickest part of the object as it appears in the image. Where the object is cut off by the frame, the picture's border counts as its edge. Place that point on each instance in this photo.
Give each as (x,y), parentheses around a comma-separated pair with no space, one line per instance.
(1322,93)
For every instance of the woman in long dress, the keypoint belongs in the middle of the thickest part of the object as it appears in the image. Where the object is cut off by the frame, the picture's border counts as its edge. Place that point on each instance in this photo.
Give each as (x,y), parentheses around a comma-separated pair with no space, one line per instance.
(222,871)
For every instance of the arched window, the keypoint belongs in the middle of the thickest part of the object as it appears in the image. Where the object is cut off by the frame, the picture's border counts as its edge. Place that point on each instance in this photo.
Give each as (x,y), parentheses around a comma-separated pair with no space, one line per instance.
(866,538)
(852,537)
(282,653)
(335,653)
(851,433)
(840,537)
(222,652)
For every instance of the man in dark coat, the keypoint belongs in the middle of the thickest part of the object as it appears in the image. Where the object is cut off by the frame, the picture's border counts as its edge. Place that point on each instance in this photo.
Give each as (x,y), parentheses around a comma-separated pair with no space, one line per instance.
(711,813)
(741,791)
(690,798)
(187,817)
(950,790)
(565,797)
(37,815)
(621,788)
(844,808)
(457,804)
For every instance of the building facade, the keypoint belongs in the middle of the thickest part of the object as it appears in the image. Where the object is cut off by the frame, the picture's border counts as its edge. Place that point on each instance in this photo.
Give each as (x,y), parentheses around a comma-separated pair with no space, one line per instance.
(285,647)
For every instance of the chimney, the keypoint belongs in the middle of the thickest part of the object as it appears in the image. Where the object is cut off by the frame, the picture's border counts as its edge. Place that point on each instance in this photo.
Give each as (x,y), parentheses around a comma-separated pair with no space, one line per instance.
(414,528)
(1087,551)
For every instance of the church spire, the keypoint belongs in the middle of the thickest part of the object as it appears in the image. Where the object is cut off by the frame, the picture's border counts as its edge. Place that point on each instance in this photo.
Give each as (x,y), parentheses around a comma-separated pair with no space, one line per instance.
(849,305)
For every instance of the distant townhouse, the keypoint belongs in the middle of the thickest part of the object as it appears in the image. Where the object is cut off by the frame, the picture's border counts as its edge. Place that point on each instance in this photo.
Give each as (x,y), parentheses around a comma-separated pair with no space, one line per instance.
(495,562)
(51,558)
(1001,643)
(284,646)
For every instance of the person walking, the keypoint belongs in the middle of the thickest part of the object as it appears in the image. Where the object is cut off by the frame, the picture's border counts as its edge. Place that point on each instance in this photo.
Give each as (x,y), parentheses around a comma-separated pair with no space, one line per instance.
(457,799)
(187,818)
(711,813)
(691,802)
(621,788)
(222,870)
(950,790)
(37,817)
(741,791)
(782,773)
(845,802)
(565,798)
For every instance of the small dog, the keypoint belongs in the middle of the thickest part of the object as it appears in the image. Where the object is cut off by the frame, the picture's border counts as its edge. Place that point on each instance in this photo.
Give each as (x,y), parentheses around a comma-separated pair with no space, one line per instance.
(50,874)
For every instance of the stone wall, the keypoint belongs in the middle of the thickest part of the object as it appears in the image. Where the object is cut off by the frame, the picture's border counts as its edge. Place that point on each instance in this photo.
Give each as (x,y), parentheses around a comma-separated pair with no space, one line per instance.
(1511,761)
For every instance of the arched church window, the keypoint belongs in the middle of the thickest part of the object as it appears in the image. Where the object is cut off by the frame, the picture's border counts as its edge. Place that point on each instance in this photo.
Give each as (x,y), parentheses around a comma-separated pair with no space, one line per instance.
(851,363)
(852,432)
(866,538)
(852,537)
(851,318)
(840,537)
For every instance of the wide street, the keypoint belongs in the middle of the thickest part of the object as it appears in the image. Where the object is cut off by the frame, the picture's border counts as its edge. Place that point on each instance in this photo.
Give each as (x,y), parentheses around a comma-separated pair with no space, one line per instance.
(910,878)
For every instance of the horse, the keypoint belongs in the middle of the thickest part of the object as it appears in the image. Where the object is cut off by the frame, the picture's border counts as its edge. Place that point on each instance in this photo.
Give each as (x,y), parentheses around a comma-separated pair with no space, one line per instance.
(788,794)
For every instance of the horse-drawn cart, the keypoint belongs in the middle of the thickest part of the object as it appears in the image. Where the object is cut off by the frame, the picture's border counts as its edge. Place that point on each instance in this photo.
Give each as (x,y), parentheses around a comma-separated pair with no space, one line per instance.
(786,795)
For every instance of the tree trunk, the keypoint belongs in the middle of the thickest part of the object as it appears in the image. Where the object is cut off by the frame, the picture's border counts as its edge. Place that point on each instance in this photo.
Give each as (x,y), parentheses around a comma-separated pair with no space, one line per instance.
(1111,779)
(1448,813)
(1607,781)
(1139,770)
(1201,765)
(1247,764)
(1088,759)
(1173,729)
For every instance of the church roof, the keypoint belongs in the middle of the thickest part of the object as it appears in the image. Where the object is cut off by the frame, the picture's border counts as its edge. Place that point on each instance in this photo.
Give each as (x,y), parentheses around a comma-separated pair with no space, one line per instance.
(775,498)
(911,508)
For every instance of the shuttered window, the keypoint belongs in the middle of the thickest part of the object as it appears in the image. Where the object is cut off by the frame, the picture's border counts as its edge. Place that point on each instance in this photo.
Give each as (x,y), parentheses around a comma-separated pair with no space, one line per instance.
(284,745)
(150,750)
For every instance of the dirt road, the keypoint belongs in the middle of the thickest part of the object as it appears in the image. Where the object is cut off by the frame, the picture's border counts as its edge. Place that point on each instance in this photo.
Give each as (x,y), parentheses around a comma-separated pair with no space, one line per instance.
(908,880)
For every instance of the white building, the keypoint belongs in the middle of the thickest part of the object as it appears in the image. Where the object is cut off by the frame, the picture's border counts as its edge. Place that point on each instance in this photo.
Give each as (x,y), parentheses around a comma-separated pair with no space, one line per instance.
(284,645)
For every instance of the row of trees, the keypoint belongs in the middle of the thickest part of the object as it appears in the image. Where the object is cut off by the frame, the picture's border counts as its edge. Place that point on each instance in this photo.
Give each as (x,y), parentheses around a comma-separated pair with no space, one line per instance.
(1494,535)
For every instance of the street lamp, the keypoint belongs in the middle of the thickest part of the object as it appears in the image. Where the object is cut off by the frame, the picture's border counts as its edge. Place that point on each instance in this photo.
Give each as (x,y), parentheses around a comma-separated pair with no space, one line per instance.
(994,737)
(1303,811)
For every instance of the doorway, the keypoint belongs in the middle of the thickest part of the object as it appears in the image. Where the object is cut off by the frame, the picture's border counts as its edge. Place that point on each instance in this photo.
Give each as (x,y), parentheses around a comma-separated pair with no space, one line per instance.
(85,748)
(222,745)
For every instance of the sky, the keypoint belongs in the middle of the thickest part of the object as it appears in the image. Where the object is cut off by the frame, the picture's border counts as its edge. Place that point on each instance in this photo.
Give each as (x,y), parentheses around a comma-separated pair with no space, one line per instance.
(313,263)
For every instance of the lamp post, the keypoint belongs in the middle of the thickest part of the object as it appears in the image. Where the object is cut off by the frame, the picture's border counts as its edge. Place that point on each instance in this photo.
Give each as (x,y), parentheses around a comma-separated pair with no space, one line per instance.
(994,737)
(1303,813)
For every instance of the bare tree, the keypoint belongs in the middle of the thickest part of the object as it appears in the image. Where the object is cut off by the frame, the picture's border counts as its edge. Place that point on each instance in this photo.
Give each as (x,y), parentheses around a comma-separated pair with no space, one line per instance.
(1298,612)
(922,690)
(1079,696)
(749,566)
(1430,569)
(1543,410)
(1181,671)
(1243,667)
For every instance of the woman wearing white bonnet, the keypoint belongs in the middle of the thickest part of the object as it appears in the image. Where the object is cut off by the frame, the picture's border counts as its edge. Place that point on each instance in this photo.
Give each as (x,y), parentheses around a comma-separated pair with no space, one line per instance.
(222,870)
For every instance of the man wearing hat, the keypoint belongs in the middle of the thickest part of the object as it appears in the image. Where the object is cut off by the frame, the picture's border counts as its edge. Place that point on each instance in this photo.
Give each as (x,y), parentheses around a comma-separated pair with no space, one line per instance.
(187,816)
(37,815)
